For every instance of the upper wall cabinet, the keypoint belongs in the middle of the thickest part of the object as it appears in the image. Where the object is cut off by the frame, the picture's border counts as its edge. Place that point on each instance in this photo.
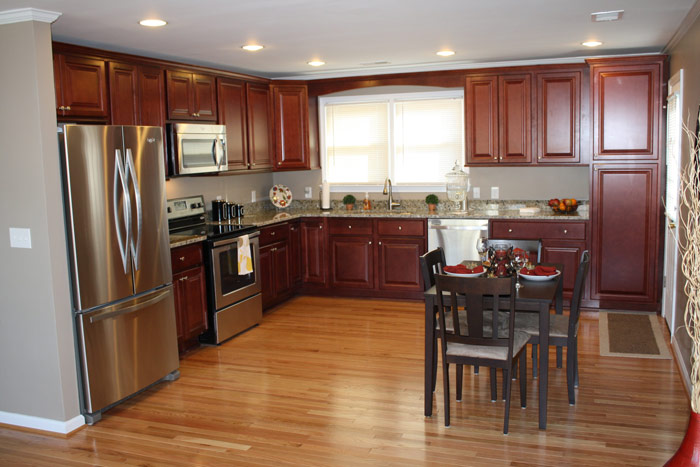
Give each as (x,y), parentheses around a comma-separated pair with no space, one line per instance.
(81,86)
(291,106)
(498,119)
(191,96)
(626,108)
(245,109)
(558,117)
(137,94)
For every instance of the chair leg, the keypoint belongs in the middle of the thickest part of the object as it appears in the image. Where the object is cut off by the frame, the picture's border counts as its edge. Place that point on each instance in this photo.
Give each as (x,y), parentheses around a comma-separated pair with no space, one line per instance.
(522,361)
(570,371)
(460,375)
(435,358)
(574,350)
(493,385)
(446,390)
(476,369)
(534,361)
(509,385)
(559,356)
(506,376)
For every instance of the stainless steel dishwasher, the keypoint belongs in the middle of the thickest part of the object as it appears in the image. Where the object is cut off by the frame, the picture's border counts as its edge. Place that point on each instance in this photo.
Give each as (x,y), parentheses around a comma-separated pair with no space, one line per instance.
(458,237)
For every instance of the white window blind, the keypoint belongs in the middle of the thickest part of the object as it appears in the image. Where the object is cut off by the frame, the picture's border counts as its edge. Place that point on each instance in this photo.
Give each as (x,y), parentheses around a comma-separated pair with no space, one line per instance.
(412,139)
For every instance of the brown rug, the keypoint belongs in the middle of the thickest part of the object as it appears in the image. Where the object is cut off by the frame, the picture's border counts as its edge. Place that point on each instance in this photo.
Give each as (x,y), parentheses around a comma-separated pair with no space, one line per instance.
(631,335)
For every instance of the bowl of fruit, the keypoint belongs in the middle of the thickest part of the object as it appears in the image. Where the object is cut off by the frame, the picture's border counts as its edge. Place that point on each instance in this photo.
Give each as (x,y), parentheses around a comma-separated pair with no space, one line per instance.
(564,205)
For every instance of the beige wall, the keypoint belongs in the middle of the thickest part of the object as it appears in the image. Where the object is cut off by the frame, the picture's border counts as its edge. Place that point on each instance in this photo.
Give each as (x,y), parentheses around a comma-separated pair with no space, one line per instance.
(37,357)
(686,55)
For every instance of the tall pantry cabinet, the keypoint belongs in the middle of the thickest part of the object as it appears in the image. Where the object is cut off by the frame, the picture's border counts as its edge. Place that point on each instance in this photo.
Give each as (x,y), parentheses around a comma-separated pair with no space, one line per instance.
(627,179)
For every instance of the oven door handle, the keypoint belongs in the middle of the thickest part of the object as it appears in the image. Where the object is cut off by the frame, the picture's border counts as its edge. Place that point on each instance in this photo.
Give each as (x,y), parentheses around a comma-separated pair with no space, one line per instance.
(229,240)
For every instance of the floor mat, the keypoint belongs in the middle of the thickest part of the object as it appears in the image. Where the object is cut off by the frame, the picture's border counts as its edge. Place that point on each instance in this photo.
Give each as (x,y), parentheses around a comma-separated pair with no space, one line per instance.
(637,335)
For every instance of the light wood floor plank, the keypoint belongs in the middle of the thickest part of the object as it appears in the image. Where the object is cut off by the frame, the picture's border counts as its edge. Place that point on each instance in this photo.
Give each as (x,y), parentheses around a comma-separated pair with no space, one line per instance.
(328,381)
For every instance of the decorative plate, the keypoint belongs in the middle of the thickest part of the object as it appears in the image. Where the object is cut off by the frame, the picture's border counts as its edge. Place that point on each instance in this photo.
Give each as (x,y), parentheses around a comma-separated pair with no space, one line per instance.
(476,274)
(538,278)
(281,196)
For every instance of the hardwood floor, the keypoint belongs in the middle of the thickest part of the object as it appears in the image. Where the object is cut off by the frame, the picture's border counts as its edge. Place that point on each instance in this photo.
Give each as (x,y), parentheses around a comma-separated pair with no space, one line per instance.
(328,381)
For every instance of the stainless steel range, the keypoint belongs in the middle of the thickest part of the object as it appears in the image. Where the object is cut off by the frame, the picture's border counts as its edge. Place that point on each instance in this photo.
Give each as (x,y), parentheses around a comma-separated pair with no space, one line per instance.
(234,300)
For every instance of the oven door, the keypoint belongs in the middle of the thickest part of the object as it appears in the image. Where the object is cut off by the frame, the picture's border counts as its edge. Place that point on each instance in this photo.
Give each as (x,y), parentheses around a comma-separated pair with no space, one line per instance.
(200,153)
(229,286)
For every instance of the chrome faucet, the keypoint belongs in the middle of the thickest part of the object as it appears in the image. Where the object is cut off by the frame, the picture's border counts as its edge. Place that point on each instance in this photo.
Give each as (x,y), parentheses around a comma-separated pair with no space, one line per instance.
(392,204)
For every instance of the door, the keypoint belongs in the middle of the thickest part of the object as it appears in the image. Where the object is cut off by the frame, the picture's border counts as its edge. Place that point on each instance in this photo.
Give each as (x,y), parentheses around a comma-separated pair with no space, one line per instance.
(292,127)
(96,191)
(232,113)
(558,117)
(514,113)
(671,200)
(313,252)
(398,264)
(260,137)
(150,245)
(481,119)
(352,262)
(123,96)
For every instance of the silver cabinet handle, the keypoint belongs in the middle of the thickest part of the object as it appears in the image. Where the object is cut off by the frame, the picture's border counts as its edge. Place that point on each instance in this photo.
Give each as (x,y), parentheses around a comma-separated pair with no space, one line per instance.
(182,258)
(184,278)
(320,226)
(273,233)
(370,242)
(379,243)
(349,226)
(399,227)
(131,175)
(120,179)
(510,230)
(566,231)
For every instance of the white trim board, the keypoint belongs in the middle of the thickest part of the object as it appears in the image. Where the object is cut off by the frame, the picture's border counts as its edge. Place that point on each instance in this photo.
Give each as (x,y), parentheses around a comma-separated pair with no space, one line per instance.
(44,424)
(21,15)
(680,363)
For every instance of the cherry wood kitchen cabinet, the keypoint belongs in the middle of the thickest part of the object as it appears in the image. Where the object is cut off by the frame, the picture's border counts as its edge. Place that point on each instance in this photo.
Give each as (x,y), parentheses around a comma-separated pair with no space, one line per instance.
(627,99)
(274,264)
(351,253)
(291,110)
(314,252)
(151,96)
(498,119)
(190,96)
(295,273)
(137,94)
(189,290)
(81,87)
(400,243)
(626,236)
(245,109)
(558,117)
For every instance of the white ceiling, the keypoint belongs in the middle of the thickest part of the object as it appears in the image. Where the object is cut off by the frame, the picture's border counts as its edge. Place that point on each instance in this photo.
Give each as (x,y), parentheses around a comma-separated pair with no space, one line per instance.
(349,34)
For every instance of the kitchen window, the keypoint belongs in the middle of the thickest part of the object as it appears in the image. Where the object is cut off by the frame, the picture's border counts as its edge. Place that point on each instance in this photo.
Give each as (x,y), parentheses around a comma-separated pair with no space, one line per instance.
(412,138)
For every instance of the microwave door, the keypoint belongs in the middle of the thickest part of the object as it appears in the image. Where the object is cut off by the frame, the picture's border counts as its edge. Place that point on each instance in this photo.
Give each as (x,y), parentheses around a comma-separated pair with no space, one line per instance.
(197,153)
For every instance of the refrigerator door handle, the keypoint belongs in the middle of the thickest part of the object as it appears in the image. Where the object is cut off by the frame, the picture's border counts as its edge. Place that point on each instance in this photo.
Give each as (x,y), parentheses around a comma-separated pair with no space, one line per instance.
(112,311)
(120,179)
(131,176)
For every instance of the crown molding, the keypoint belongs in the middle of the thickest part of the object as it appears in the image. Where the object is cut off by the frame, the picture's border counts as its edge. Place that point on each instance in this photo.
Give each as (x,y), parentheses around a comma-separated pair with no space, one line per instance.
(21,15)
(685,25)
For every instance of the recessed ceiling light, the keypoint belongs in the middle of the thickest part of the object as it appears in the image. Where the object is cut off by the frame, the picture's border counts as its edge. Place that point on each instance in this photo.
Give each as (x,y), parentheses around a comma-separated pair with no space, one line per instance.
(446,53)
(607,15)
(316,63)
(592,43)
(152,23)
(252,47)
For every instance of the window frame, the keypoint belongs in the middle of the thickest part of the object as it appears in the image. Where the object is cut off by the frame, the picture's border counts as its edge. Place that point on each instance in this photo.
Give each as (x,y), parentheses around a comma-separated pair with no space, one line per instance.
(391,98)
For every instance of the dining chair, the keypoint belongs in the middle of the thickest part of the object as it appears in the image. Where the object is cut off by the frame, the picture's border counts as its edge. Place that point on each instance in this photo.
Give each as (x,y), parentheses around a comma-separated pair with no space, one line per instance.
(563,329)
(473,342)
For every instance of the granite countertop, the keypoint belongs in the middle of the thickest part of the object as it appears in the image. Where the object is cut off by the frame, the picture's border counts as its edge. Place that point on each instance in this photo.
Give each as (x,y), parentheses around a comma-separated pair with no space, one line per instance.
(182,240)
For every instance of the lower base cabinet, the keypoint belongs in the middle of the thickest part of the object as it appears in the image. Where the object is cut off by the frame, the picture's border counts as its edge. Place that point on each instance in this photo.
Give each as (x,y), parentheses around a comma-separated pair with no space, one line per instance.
(399,269)
(189,289)
(275,270)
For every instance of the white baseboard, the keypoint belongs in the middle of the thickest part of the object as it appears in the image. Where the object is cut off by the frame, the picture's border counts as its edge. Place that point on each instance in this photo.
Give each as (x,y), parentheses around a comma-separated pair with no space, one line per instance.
(685,376)
(45,424)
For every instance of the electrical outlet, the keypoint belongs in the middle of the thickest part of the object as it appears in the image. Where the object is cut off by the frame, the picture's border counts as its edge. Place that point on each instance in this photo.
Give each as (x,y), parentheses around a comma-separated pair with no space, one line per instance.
(252,196)
(20,238)
(494,192)
(307,192)
(476,192)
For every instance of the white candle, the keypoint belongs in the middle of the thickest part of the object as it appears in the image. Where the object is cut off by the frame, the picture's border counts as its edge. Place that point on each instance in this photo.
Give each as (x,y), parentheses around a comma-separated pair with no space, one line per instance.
(325,196)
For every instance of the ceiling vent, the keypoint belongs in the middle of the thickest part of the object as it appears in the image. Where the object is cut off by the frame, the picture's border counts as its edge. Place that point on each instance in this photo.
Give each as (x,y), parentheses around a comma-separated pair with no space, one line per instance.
(607,16)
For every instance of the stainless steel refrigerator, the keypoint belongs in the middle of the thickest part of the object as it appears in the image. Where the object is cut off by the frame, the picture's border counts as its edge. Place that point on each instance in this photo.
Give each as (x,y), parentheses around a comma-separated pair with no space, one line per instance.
(123,305)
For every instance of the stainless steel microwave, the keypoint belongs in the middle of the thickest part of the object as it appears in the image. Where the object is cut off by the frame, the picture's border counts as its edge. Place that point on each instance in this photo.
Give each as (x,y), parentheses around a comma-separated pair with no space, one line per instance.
(196,148)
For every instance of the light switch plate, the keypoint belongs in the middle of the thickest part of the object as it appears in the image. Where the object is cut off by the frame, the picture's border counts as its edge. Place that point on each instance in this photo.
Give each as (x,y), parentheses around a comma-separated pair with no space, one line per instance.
(476,192)
(20,238)
(307,192)
(494,192)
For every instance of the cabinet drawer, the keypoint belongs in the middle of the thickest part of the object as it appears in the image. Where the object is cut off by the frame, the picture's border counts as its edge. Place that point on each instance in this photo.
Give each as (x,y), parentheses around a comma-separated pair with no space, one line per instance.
(274,233)
(185,257)
(538,229)
(344,226)
(401,227)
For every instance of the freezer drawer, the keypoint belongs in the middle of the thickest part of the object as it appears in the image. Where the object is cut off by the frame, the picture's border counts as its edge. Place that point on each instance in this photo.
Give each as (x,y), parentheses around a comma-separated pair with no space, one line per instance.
(126,347)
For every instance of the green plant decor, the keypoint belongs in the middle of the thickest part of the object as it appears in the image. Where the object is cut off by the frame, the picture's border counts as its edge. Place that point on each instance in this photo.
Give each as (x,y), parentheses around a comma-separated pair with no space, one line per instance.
(432,199)
(349,199)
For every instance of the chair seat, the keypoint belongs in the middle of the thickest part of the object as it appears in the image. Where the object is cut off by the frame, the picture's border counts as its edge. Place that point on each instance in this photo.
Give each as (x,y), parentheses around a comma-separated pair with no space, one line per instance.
(502,323)
(455,349)
(530,324)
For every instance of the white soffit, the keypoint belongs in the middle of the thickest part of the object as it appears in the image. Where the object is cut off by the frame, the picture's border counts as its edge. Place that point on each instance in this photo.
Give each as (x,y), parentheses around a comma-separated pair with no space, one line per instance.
(21,15)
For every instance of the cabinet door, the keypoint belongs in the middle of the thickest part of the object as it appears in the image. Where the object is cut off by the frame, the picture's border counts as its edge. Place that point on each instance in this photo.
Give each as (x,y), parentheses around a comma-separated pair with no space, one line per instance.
(626,109)
(313,252)
(83,87)
(232,113)
(267,280)
(291,105)
(123,95)
(625,234)
(515,114)
(180,308)
(558,117)
(204,89)
(397,263)
(151,87)
(280,262)
(190,305)
(180,95)
(261,147)
(566,253)
(481,119)
(295,253)
(352,262)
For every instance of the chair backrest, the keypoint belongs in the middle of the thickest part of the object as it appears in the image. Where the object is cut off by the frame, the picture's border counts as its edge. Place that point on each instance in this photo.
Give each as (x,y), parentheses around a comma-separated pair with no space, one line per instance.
(431,264)
(533,247)
(473,294)
(579,286)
